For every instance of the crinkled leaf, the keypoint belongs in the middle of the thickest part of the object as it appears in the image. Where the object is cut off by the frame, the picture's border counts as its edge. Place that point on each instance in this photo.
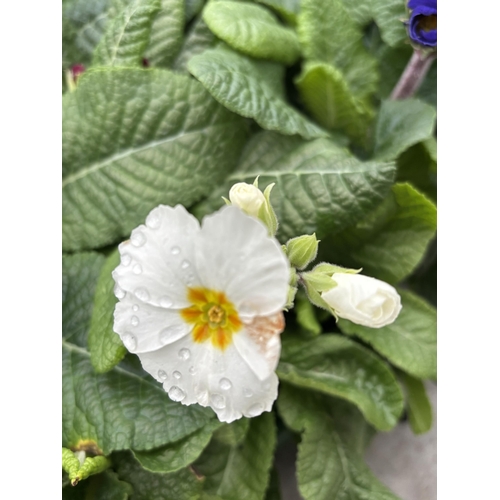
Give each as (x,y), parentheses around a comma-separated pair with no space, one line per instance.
(105,346)
(192,8)
(133,139)
(401,124)
(410,342)
(330,462)
(418,405)
(288,9)
(105,486)
(127,35)
(233,433)
(181,485)
(320,186)
(327,96)
(328,34)
(119,410)
(175,456)
(253,30)
(338,366)
(391,241)
(251,88)
(166,33)
(80,274)
(240,472)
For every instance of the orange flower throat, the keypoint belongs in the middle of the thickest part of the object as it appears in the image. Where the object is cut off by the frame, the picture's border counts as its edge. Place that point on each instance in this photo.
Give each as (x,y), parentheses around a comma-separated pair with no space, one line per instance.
(214,317)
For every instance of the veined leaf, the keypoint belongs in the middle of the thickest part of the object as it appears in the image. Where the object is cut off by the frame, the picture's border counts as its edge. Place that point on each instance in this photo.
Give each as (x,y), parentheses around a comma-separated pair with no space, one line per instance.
(233,434)
(418,404)
(105,486)
(192,8)
(287,9)
(133,139)
(251,88)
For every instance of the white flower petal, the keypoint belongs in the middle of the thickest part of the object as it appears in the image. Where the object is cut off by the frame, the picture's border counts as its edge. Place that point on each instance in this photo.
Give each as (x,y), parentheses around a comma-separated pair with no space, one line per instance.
(200,373)
(157,263)
(143,327)
(236,255)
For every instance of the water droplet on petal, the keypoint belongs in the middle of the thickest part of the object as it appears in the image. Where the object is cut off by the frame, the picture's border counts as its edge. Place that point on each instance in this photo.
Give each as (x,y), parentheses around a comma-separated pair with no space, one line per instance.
(192,370)
(138,239)
(184,354)
(185,264)
(176,394)
(165,302)
(126,259)
(225,384)
(134,320)
(153,220)
(218,401)
(175,250)
(247,393)
(137,269)
(135,308)
(177,375)
(172,331)
(162,375)
(255,410)
(119,293)
(142,294)
(129,341)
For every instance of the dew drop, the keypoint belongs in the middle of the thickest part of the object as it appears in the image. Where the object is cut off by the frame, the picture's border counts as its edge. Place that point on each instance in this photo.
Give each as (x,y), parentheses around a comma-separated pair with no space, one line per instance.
(162,375)
(225,384)
(247,393)
(185,264)
(176,394)
(129,341)
(142,294)
(172,331)
(255,410)
(165,302)
(153,220)
(126,259)
(137,269)
(138,239)
(218,401)
(177,375)
(134,320)
(135,308)
(119,293)
(175,250)
(192,370)
(184,354)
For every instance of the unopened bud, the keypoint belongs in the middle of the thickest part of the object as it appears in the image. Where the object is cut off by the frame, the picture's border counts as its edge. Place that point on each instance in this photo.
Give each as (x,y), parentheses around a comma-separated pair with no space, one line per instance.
(248,197)
(302,250)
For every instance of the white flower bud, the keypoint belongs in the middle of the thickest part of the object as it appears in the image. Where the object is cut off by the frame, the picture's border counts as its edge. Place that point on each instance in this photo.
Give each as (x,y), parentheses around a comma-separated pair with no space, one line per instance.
(247,197)
(363,300)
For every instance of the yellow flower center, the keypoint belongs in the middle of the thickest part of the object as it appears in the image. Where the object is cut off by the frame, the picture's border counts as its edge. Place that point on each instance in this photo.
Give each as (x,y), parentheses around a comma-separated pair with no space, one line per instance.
(214,317)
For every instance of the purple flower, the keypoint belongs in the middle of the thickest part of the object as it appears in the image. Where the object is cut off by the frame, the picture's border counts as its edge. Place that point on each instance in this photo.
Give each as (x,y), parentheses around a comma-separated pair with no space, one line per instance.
(422,26)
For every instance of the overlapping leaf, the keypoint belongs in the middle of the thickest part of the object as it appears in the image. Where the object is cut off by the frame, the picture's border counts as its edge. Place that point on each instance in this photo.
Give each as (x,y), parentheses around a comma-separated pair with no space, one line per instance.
(418,405)
(105,486)
(288,9)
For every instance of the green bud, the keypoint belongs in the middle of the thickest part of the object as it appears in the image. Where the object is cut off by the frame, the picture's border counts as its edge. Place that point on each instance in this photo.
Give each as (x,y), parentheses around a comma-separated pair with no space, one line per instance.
(266,212)
(76,470)
(302,250)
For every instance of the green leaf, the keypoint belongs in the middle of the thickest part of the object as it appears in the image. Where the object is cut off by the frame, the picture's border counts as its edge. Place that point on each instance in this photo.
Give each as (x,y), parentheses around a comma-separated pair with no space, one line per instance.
(251,88)
(340,367)
(306,316)
(410,342)
(327,96)
(328,34)
(240,472)
(105,486)
(175,456)
(253,30)
(192,8)
(181,485)
(105,346)
(166,33)
(274,491)
(233,434)
(320,186)
(127,148)
(287,9)
(419,406)
(330,462)
(127,35)
(402,124)
(80,273)
(120,410)
(391,241)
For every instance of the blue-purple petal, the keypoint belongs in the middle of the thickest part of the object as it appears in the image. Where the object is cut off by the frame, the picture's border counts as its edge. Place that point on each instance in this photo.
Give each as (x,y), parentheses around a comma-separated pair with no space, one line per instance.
(413,4)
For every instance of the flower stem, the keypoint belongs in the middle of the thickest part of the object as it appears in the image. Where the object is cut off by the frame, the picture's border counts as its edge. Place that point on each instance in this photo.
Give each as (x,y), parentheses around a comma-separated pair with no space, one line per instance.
(413,75)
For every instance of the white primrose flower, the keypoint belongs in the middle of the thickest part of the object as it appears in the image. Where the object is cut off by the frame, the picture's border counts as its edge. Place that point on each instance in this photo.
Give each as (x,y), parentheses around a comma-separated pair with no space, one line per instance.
(202,307)
(363,300)
(248,197)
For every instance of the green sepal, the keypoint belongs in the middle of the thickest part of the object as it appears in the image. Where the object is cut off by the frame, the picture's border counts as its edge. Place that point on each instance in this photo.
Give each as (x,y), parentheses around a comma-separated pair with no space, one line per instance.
(302,250)
(314,296)
(292,291)
(331,269)
(266,211)
(319,281)
(306,316)
(77,471)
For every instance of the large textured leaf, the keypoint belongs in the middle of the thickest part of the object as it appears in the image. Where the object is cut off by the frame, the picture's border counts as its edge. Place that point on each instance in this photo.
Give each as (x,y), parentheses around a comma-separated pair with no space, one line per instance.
(288,9)
(401,124)
(105,486)
(119,410)
(410,342)
(253,30)
(192,8)
(240,472)
(80,274)
(105,346)
(335,365)
(330,462)
(133,139)
(391,241)
(320,186)
(253,89)
(166,33)
(327,96)
(418,405)
(328,34)
(127,35)
(180,485)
